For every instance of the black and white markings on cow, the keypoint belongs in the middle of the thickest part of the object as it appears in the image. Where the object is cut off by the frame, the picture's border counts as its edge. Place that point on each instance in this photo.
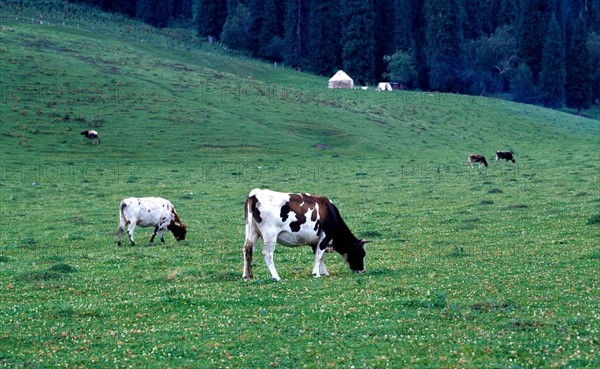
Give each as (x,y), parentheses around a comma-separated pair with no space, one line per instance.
(92,135)
(296,220)
(506,155)
(476,159)
(149,212)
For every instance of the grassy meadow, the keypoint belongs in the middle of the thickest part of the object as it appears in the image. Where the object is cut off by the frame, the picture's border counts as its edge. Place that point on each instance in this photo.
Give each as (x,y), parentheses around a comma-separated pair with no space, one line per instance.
(496,267)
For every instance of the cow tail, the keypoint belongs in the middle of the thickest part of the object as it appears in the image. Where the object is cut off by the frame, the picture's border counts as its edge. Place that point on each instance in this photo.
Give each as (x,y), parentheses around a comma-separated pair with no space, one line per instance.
(248,209)
(121,228)
(251,211)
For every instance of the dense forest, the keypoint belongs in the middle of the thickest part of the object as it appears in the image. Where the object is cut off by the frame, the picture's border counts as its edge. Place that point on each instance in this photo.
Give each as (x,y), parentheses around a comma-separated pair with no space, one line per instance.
(535,51)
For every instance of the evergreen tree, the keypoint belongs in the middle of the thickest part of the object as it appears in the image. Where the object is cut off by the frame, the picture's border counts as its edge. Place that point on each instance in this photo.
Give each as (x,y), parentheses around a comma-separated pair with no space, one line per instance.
(579,82)
(236,30)
(474,19)
(211,17)
(269,30)
(418,37)
(532,28)
(553,74)
(561,9)
(403,26)
(182,9)
(154,12)
(444,40)
(383,33)
(255,9)
(595,16)
(507,12)
(323,44)
(593,45)
(125,7)
(295,32)
(358,45)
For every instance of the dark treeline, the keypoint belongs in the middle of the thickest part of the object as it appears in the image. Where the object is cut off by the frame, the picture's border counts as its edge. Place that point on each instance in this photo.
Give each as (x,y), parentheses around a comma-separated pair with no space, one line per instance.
(537,51)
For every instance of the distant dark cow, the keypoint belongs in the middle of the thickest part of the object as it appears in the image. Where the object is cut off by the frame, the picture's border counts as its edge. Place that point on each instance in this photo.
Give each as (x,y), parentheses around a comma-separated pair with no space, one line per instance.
(506,155)
(149,212)
(91,135)
(296,220)
(476,158)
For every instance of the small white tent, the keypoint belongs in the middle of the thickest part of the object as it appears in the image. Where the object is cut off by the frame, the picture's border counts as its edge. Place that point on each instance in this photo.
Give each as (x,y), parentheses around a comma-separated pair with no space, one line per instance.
(341,80)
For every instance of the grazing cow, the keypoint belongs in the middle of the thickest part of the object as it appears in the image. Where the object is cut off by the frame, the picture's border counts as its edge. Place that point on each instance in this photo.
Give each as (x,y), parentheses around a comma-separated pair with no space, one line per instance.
(91,135)
(149,212)
(506,155)
(476,158)
(296,220)
(384,86)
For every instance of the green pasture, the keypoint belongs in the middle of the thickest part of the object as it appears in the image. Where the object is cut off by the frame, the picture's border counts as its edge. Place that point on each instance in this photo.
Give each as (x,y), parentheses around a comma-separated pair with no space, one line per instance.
(494,267)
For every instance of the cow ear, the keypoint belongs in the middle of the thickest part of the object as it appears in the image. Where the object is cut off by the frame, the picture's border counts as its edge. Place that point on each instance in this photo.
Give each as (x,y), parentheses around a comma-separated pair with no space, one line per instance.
(362,241)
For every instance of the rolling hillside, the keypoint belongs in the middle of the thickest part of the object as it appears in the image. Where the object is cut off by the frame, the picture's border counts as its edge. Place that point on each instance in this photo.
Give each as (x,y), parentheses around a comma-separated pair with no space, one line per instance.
(491,267)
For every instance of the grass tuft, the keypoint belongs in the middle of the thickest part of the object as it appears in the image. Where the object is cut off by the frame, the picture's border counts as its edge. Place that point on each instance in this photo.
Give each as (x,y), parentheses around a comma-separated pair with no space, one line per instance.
(594,219)
(372,234)
(40,275)
(62,268)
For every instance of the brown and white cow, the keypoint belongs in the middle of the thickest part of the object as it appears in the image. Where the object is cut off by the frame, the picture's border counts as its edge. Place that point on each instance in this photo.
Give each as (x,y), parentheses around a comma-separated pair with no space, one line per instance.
(477,158)
(149,212)
(295,220)
(506,155)
(91,135)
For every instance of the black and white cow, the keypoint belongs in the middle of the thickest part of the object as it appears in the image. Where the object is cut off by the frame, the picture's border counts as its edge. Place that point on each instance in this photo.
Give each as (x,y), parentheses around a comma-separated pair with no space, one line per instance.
(295,220)
(149,212)
(477,158)
(506,155)
(91,135)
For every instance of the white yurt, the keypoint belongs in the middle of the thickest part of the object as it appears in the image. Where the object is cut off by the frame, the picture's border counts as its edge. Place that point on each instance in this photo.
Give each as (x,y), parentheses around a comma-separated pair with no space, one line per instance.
(341,80)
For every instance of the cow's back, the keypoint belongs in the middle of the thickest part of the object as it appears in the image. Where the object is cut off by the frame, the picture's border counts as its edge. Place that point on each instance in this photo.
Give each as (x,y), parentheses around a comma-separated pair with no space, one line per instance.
(145,211)
(266,205)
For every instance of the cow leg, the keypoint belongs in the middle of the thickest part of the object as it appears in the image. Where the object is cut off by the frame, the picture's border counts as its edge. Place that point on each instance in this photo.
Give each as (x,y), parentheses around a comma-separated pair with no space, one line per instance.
(319,267)
(130,230)
(248,251)
(160,228)
(324,246)
(154,234)
(268,250)
(251,238)
(322,268)
(120,232)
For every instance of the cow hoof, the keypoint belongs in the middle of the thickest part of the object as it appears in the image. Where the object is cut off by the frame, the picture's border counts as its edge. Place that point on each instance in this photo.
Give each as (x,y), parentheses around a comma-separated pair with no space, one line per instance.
(247,278)
(316,275)
(276,279)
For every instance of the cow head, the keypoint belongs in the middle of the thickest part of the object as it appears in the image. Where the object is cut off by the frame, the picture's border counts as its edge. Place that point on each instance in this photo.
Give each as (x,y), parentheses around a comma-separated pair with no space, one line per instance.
(179,230)
(355,256)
